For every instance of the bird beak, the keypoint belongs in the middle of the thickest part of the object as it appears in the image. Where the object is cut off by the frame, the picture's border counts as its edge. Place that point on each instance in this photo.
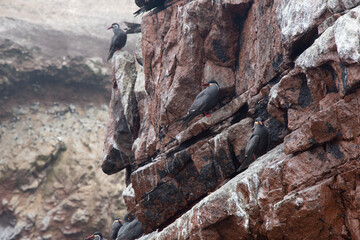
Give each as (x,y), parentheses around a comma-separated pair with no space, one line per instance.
(260,122)
(89,237)
(205,84)
(109,28)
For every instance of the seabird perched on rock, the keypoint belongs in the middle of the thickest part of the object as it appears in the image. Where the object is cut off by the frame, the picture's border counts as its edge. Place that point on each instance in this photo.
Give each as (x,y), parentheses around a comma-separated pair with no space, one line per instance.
(117,224)
(203,103)
(96,236)
(118,41)
(130,230)
(257,145)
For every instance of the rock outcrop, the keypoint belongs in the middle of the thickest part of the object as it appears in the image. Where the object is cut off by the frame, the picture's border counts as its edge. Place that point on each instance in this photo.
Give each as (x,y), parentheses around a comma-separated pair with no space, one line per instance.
(293,63)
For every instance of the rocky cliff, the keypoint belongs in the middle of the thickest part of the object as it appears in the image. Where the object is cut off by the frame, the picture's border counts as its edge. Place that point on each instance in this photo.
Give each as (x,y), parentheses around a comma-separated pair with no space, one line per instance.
(293,63)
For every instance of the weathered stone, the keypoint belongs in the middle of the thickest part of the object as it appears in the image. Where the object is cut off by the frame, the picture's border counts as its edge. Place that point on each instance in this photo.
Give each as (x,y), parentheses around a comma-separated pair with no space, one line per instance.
(118,138)
(146,178)
(227,201)
(298,18)
(346,33)
(155,208)
(335,121)
(284,61)
(260,57)
(239,135)
(238,6)
(129,198)
(223,75)
(126,77)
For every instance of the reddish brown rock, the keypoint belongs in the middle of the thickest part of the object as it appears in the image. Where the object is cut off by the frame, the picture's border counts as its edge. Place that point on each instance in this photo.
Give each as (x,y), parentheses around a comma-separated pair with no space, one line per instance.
(261,57)
(239,134)
(258,202)
(129,198)
(194,171)
(335,121)
(287,62)
(145,179)
(224,75)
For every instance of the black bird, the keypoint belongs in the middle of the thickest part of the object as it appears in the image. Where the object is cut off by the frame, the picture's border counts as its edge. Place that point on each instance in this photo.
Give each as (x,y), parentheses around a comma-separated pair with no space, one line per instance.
(118,41)
(117,224)
(147,5)
(96,236)
(257,145)
(204,102)
(130,230)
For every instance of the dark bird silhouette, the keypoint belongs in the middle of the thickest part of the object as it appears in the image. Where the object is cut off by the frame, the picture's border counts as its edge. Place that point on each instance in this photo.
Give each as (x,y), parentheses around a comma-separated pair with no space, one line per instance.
(257,145)
(117,224)
(132,27)
(96,236)
(147,5)
(130,230)
(118,41)
(203,103)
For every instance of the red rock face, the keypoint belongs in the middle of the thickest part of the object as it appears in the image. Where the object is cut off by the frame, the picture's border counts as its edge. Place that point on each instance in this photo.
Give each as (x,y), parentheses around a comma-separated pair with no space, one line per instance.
(298,70)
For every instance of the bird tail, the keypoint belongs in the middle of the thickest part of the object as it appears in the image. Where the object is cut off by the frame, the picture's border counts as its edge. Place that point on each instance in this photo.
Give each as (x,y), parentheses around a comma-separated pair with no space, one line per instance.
(248,160)
(187,118)
(111,54)
(141,10)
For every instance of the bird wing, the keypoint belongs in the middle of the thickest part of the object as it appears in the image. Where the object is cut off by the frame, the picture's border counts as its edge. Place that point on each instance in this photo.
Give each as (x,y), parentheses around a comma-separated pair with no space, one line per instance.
(120,40)
(204,101)
(133,27)
(252,143)
(115,229)
(200,101)
(130,231)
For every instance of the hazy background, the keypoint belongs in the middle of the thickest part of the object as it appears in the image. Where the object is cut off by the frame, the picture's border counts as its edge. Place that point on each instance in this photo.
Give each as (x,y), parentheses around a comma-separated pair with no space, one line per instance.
(55,87)
(65,27)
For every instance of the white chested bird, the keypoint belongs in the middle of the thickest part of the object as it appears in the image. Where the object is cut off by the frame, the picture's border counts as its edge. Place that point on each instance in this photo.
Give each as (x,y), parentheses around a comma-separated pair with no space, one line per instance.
(118,41)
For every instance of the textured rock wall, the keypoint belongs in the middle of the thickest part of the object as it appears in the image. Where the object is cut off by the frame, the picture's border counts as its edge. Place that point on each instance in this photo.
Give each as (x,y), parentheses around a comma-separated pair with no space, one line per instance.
(295,64)
(52,119)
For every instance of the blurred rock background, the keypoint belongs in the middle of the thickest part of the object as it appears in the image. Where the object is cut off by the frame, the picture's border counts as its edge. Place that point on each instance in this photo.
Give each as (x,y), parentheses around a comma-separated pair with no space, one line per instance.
(54,94)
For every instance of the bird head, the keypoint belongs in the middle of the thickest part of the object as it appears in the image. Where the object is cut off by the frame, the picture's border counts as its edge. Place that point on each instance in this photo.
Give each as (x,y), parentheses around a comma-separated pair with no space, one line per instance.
(118,220)
(258,120)
(210,83)
(127,218)
(96,234)
(114,25)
